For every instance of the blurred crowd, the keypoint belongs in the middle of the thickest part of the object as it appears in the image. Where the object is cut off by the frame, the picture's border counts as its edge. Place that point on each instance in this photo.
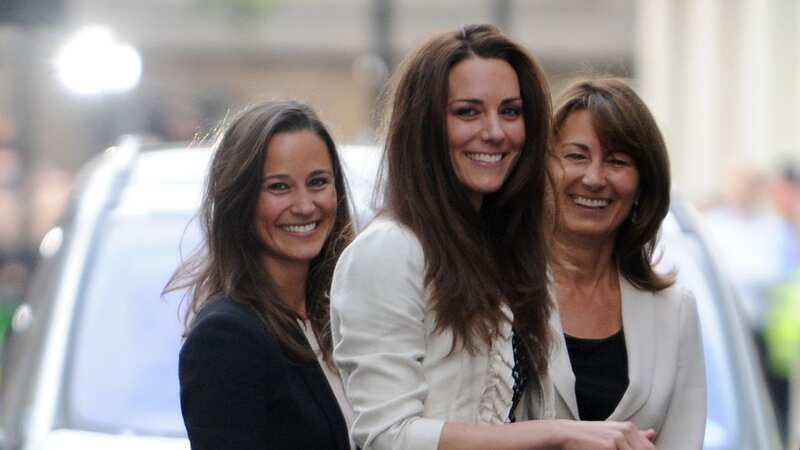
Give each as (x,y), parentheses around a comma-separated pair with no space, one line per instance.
(754,226)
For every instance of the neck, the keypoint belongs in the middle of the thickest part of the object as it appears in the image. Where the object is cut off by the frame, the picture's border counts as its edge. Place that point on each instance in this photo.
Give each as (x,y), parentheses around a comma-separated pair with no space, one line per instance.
(582,261)
(476,200)
(290,280)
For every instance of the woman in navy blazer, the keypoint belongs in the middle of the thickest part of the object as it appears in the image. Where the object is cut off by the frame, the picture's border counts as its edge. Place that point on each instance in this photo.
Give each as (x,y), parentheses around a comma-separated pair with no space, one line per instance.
(628,342)
(255,370)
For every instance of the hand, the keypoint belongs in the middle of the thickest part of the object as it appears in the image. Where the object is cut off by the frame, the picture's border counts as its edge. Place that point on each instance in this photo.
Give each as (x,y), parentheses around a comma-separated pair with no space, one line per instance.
(606,436)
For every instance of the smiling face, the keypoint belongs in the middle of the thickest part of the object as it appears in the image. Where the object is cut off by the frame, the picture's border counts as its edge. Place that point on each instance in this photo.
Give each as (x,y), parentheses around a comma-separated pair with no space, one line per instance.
(485,126)
(297,202)
(596,187)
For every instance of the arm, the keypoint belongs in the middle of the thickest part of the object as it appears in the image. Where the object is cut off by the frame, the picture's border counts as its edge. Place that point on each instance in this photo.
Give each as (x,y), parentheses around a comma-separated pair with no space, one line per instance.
(547,434)
(377,321)
(684,425)
(377,313)
(223,369)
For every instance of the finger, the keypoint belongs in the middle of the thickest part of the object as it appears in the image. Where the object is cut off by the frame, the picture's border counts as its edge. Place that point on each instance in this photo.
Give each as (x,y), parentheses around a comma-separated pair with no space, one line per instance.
(643,440)
(623,444)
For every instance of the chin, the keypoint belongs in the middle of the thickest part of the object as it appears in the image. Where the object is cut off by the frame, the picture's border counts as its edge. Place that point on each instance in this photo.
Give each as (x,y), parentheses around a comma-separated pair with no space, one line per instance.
(485,187)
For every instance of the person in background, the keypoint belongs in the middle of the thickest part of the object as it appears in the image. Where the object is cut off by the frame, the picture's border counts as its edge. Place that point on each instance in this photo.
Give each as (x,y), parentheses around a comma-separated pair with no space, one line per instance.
(628,344)
(753,233)
(440,306)
(781,333)
(255,369)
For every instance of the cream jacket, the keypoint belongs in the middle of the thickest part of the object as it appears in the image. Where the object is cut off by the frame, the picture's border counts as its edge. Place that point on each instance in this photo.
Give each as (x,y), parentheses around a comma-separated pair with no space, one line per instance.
(666,371)
(400,376)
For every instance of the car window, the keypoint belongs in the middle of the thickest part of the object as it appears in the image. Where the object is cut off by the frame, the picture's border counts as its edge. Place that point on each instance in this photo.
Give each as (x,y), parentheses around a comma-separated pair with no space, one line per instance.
(123,370)
(683,251)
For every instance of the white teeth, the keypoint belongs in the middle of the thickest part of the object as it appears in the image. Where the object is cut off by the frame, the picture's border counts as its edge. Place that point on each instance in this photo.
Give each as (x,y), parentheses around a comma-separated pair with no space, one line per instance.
(485,157)
(591,202)
(300,228)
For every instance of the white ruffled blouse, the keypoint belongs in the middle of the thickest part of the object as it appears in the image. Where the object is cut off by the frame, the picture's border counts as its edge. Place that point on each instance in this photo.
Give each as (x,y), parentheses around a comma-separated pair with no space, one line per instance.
(399,374)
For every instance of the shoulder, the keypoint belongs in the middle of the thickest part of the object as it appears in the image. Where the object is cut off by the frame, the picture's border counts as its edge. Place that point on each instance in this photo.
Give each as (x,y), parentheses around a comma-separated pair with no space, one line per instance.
(381,270)
(678,303)
(675,294)
(671,307)
(225,324)
(222,308)
(384,244)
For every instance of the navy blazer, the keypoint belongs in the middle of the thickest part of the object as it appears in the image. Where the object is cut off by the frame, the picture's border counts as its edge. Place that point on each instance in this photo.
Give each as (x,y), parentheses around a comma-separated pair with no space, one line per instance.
(240,391)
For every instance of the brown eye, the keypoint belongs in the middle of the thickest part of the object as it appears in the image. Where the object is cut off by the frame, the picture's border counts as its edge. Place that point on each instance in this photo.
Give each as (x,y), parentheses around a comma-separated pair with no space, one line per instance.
(319,182)
(278,187)
(511,112)
(465,112)
(573,156)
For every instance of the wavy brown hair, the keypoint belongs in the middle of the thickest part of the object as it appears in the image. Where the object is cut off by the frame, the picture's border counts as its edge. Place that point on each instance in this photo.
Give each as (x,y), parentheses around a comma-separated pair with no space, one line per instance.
(475,261)
(228,264)
(624,123)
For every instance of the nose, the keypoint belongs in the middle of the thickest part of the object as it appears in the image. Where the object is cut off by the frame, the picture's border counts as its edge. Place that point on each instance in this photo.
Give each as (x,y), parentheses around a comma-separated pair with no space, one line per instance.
(493,129)
(303,203)
(594,178)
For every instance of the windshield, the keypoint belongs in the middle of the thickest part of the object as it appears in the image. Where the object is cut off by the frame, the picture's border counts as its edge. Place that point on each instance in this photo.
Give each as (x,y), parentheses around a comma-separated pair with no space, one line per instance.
(123,375)
(683,251)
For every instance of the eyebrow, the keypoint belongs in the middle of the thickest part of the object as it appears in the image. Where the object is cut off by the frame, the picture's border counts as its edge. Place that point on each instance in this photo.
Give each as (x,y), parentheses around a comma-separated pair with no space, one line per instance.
(576,144)
(476,101)
(283,176)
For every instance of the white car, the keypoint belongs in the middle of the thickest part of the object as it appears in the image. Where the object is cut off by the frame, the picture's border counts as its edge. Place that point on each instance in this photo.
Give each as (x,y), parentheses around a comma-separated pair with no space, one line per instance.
(92,361)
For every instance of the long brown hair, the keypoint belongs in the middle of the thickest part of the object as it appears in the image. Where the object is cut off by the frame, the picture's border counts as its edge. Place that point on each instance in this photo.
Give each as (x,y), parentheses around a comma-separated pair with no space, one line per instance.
(228,262)
(624,123)
(475,261)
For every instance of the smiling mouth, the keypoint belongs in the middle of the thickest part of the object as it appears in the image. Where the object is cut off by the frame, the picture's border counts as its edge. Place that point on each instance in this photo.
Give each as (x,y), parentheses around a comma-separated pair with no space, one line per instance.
(486,157)
(594,203)
(300,228)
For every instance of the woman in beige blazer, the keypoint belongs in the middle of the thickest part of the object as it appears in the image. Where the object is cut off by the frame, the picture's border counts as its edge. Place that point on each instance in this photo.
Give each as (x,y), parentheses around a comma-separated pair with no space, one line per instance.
(627,345)
(440,307)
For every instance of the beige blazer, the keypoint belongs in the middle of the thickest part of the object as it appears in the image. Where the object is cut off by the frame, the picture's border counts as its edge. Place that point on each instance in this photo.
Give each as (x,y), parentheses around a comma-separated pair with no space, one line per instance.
(666,371)
(398,371)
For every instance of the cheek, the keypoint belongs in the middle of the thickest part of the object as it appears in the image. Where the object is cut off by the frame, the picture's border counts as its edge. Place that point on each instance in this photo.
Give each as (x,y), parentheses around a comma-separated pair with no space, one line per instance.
(458,133)
(632,185)
(517,134)
(567,174)
(329,203)
(268,210)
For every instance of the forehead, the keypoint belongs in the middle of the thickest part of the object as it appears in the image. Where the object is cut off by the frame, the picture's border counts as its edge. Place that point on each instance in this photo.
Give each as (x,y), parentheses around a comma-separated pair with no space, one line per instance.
(578,126)
(482,77)
(582,126)
(296,152)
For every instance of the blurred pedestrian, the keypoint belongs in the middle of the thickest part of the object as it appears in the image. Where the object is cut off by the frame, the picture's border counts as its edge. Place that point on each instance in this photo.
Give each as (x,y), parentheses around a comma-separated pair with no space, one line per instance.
(440,306)
(750,239)
(758,246)
(256,370)
(628,346)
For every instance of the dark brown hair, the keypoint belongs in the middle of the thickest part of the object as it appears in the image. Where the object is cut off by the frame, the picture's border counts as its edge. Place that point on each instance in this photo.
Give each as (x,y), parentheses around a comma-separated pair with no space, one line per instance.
(624,123)
(475,261)
(228,263)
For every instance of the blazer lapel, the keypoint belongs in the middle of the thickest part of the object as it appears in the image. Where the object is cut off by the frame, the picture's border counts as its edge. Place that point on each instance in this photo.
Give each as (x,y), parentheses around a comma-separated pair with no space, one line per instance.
(314,377)
(639,323)
(560,367)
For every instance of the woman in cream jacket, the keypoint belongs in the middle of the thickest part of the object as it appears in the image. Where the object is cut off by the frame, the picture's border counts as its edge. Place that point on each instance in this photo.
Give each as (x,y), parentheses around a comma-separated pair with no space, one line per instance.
(628,344)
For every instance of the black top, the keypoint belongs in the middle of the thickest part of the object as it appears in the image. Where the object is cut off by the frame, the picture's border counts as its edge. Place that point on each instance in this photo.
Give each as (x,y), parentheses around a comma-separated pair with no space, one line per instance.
(601,374)
(240,391)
